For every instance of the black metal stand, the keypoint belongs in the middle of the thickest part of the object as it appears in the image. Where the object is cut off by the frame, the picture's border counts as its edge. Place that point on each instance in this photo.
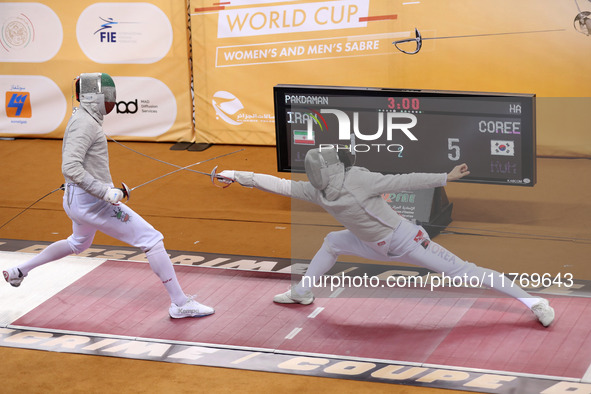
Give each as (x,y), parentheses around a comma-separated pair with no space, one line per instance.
(440,213)
(199,147)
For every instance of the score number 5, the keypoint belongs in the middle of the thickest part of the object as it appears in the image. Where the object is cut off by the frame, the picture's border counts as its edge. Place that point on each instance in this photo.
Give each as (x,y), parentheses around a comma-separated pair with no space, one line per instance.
(454,154)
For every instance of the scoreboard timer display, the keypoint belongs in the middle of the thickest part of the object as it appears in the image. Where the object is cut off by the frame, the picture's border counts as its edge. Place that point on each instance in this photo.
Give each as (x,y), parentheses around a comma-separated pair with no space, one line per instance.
(396,131)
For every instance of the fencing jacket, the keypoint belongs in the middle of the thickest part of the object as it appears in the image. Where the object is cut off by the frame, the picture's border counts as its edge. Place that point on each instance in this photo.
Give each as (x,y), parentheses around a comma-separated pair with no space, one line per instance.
(357,203)
(85,156)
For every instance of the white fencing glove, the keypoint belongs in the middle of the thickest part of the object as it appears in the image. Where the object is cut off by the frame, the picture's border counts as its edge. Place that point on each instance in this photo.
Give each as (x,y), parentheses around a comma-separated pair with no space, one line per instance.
(114,195)
(227,176)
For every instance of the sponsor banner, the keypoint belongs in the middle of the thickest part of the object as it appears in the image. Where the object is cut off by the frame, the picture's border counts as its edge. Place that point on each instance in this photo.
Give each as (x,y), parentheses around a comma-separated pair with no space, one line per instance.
(273,360)
(245,48)
(293,18)
(142,45)
(30,32)
(31,104)
(306,50)
(226,105)
(124,33)
(146,107)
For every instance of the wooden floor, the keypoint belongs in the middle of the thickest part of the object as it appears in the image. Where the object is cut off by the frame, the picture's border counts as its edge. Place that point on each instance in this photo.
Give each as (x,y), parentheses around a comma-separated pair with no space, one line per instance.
(535,230)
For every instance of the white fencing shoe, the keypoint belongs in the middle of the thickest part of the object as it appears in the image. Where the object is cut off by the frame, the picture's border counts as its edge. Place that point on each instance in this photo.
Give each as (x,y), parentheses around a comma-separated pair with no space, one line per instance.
(14,276)
(292,297)
(544,312)
(190,308)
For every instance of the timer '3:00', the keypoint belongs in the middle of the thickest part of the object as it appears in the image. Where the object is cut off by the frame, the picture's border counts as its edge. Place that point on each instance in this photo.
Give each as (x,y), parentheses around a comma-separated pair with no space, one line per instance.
(404,103)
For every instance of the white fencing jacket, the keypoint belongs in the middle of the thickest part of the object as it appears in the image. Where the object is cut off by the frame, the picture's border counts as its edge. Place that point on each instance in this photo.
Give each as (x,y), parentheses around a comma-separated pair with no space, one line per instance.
(85,155)
(357,203)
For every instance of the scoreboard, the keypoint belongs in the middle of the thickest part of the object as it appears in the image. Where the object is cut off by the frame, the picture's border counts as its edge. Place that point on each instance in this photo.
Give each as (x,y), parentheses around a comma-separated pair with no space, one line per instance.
(401,131)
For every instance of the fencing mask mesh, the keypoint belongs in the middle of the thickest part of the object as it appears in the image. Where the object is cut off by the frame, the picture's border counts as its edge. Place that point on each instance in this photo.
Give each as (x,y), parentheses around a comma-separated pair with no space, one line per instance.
(99,84)
(320,165)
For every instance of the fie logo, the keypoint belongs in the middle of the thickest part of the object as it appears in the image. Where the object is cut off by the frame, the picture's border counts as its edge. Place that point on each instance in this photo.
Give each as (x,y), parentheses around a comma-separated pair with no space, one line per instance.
(107,36)
(18,104)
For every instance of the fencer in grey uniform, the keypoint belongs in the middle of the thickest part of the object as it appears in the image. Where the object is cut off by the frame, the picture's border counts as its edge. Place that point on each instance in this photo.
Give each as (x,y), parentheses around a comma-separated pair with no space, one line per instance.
(353,196)
(93,203)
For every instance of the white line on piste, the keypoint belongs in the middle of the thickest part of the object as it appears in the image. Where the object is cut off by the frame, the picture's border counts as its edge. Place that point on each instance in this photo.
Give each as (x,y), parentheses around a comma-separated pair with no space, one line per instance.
(315,313)
(336,293)
(293,333)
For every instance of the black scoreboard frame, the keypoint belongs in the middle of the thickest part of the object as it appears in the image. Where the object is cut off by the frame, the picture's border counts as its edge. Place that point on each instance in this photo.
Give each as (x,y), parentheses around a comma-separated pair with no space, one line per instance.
(440,106)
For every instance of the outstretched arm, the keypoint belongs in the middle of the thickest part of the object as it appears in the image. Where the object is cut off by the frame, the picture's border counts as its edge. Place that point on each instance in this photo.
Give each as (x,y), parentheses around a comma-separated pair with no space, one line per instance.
(379,183)
(270,183)
(263,182)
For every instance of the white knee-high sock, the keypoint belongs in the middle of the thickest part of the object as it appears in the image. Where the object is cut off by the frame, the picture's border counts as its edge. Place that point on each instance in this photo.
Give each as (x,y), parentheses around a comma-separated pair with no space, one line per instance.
(453,266)
(322,261)
(501,283)
(55,251)
(162,266)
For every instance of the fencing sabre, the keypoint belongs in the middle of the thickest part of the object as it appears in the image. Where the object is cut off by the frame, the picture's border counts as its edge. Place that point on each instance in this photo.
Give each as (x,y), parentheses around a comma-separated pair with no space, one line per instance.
(212,175)
(419,39)
(582,21)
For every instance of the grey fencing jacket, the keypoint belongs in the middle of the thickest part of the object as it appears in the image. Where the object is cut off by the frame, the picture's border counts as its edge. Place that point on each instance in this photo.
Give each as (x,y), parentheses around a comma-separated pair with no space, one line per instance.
(357,202)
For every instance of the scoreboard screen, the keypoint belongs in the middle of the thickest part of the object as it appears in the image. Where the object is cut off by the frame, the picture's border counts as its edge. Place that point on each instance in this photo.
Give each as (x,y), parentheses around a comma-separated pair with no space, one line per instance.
(395,131)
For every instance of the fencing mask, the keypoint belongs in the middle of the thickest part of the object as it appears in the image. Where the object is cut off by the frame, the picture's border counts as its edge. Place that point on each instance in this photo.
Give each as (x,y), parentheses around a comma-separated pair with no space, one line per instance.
(322,166)
(97,87)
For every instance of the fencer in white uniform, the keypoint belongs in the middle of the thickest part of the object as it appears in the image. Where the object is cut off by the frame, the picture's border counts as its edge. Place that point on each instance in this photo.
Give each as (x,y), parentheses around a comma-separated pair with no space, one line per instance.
(374,230)
(94,204)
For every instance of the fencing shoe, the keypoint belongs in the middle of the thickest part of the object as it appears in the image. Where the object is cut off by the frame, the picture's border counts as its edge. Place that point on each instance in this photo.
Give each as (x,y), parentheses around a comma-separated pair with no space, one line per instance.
(292,297)
(14,276)
(543,311)
(190,308)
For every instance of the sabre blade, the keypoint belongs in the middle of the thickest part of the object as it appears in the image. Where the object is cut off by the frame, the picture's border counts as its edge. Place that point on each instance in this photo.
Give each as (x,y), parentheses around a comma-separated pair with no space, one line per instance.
(492,34)
(419,39)
(171,164)
(578,8)
(187,168)
(169,173)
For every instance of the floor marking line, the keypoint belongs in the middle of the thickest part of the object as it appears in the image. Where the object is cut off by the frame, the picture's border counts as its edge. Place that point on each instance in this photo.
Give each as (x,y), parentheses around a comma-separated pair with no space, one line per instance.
(337,292)
(293,333)
(316,312)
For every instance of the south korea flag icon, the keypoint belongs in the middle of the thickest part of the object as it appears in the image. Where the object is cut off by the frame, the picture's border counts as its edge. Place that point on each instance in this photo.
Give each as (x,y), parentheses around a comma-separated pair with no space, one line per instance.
(502,148)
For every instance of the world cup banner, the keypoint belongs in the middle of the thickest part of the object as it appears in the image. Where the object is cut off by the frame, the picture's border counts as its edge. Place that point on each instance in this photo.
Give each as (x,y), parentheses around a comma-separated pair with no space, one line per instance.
(243,48)
(142,45)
